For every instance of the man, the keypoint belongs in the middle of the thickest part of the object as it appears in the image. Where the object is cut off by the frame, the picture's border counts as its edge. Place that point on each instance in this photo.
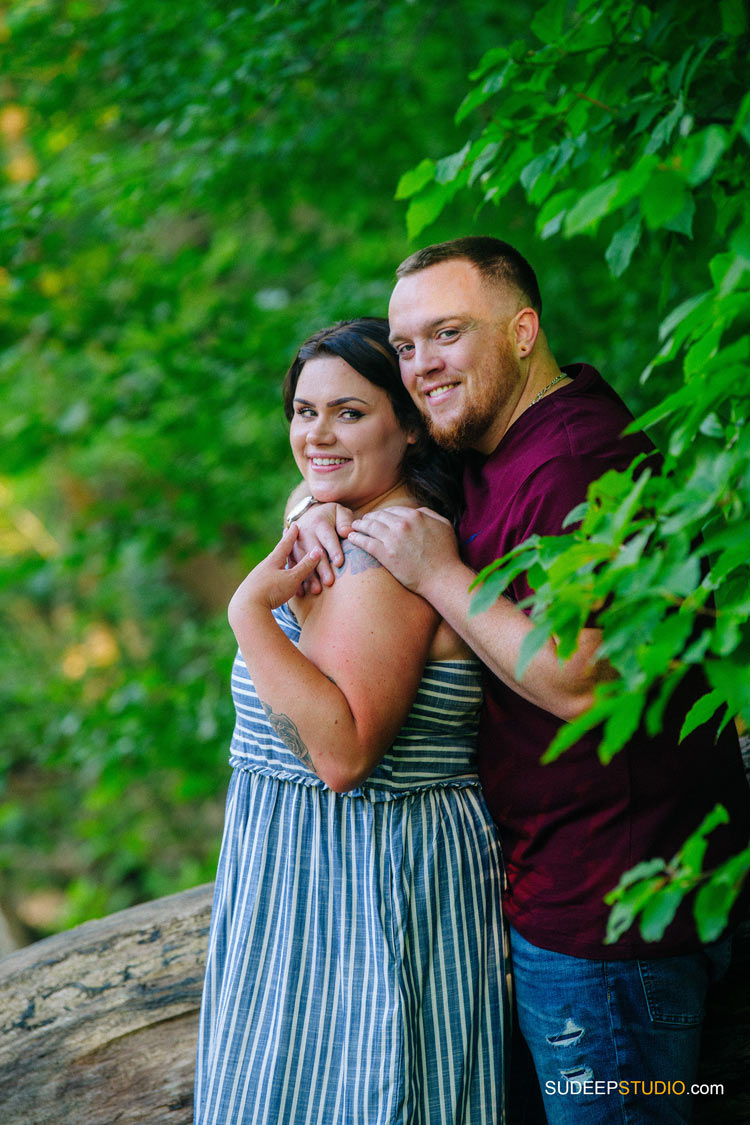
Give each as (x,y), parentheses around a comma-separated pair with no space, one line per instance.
(465,322)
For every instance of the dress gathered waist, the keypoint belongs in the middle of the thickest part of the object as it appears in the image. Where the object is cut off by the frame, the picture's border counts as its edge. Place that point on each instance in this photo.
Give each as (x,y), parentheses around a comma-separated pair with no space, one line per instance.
(432,749)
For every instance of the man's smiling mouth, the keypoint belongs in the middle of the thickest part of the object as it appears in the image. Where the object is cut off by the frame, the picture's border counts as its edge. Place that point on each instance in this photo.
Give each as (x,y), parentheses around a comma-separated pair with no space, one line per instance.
(441,390)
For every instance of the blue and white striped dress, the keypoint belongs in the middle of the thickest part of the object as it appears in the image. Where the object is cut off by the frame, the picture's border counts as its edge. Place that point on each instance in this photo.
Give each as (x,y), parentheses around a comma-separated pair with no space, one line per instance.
(355,968)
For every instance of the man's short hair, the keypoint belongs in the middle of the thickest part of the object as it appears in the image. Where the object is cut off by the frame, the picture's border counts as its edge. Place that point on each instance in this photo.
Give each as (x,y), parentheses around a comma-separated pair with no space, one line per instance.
(496,260)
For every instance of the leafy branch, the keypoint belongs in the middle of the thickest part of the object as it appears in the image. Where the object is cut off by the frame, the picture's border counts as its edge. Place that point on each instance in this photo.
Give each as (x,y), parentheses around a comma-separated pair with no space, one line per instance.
(631,127)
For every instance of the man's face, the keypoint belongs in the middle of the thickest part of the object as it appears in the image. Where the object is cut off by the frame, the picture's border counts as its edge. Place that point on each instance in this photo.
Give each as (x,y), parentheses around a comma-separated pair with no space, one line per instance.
(453,331)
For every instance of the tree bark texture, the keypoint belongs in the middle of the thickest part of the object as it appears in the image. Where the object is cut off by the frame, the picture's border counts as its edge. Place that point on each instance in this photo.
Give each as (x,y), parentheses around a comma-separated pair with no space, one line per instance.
(98,1025)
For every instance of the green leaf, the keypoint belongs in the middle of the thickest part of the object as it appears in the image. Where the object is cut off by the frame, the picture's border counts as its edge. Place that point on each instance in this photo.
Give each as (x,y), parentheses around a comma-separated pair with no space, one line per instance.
(701,712)
(531,644)
(620,726)
(741,124)
(570,733)
(483,160)
(706,149)
(712,905)
(592,207)
(733,17)
(415,179)
(547,24)
(663,199)
(427,207)
(629,903)
(550,218)
(646,869)
(534,169)
(623,244)
(449,167)
(576,514)
(694,849)
(673,402)
(656,709)
(480,94)
(686,309)
(682,222)
(663,131)
(659,911)
(740,242)
(502,571)
(729,676)
(489,60)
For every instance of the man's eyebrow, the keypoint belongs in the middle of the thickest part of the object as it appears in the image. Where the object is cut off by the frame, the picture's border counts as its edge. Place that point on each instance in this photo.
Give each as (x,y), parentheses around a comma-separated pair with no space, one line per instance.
(334,401)
(432,324)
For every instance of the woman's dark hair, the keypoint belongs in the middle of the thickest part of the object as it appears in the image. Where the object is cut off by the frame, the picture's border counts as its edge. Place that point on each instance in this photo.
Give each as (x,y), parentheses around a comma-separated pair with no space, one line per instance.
(432,474)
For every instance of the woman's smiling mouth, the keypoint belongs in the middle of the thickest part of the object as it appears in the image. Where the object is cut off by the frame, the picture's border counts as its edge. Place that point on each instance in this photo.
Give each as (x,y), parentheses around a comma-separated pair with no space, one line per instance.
(329,462)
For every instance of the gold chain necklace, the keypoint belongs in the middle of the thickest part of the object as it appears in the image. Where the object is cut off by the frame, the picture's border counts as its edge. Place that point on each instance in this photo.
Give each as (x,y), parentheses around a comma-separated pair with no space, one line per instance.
(544,390)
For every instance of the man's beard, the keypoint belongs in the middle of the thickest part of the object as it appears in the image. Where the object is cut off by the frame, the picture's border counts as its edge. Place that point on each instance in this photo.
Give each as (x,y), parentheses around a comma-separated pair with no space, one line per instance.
(468,431)
(461,435)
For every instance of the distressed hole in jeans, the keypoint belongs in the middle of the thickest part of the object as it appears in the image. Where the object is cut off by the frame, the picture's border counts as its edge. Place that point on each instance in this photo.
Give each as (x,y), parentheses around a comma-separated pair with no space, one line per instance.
(568,1037)
(578,1074)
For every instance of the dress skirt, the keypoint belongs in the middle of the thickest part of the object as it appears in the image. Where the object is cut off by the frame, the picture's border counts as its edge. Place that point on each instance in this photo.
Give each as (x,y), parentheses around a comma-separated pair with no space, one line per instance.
(356,973)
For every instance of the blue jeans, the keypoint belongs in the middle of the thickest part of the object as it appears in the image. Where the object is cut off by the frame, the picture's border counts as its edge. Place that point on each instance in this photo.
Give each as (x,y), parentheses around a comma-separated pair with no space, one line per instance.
(614,1041)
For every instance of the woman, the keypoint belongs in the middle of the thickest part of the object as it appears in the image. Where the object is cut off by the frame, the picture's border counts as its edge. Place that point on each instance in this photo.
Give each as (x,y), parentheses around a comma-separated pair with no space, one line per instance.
(355,969)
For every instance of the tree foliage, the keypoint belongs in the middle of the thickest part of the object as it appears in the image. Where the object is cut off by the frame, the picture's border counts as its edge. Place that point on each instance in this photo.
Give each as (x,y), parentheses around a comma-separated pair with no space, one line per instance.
(186,191)
(630,125)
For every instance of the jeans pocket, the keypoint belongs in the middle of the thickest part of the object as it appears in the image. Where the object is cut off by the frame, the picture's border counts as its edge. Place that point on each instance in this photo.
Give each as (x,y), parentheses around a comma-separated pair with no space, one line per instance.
(675,989)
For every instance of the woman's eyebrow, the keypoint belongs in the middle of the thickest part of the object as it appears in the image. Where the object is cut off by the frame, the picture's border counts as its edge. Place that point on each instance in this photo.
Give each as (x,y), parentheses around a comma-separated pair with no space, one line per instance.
(334,401)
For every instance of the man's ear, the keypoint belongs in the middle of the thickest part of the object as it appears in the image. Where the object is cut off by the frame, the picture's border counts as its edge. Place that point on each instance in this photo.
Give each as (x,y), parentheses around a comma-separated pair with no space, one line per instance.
(525,325)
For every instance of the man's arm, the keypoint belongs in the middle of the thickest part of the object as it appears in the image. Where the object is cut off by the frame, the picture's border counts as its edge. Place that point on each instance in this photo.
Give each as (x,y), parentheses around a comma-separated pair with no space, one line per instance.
(419,549)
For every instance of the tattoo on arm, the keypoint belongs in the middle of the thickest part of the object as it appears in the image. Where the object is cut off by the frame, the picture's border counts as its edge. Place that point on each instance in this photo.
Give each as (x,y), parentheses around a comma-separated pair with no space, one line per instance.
(355,559)
(286,730)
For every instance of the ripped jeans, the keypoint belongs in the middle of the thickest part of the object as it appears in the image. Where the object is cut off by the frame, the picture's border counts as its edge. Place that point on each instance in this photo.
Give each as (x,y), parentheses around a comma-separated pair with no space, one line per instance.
(614,1041)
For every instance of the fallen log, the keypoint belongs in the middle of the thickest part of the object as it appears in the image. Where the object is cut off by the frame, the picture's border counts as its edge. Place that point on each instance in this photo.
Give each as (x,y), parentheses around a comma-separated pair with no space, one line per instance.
(98,1025)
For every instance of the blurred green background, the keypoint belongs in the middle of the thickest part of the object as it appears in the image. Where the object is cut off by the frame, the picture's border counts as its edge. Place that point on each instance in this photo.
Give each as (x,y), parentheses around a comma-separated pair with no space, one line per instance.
(188,190)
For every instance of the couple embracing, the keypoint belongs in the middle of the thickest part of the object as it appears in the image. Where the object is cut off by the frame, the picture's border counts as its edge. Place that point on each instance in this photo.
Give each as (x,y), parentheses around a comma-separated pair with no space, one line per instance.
(384,752)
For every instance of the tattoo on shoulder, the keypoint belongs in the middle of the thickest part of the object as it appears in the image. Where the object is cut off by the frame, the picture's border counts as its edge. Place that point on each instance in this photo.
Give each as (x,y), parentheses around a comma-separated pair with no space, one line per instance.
(286,730)
(356,560)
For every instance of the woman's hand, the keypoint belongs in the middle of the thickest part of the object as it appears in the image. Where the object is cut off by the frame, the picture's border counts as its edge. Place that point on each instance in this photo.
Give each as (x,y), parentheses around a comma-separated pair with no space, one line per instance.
(274,580)
(322,527)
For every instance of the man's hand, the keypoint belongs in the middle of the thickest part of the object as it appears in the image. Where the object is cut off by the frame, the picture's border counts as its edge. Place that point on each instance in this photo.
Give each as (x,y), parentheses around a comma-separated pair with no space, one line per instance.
(413,544)
(322,527)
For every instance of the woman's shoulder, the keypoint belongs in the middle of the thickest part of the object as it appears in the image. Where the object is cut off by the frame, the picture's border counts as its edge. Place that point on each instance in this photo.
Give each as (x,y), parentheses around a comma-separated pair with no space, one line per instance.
(356,560)
(364,595)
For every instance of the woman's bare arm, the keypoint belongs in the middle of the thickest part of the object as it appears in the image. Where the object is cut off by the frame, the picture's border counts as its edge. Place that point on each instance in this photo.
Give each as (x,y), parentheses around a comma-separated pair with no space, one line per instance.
(339,699)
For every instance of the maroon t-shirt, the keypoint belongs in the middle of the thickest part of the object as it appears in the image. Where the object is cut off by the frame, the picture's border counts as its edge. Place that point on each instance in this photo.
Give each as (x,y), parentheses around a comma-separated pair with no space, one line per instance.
(571,828)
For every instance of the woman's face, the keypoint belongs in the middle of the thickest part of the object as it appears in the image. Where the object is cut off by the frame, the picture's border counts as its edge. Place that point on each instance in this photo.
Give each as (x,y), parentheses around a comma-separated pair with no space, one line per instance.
(345,437)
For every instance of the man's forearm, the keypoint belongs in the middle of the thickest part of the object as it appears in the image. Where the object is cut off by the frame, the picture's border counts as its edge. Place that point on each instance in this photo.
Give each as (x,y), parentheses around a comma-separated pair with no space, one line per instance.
(496,636)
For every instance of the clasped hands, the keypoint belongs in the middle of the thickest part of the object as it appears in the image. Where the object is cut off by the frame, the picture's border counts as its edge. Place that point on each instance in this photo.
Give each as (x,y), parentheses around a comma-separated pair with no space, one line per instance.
(412,543)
